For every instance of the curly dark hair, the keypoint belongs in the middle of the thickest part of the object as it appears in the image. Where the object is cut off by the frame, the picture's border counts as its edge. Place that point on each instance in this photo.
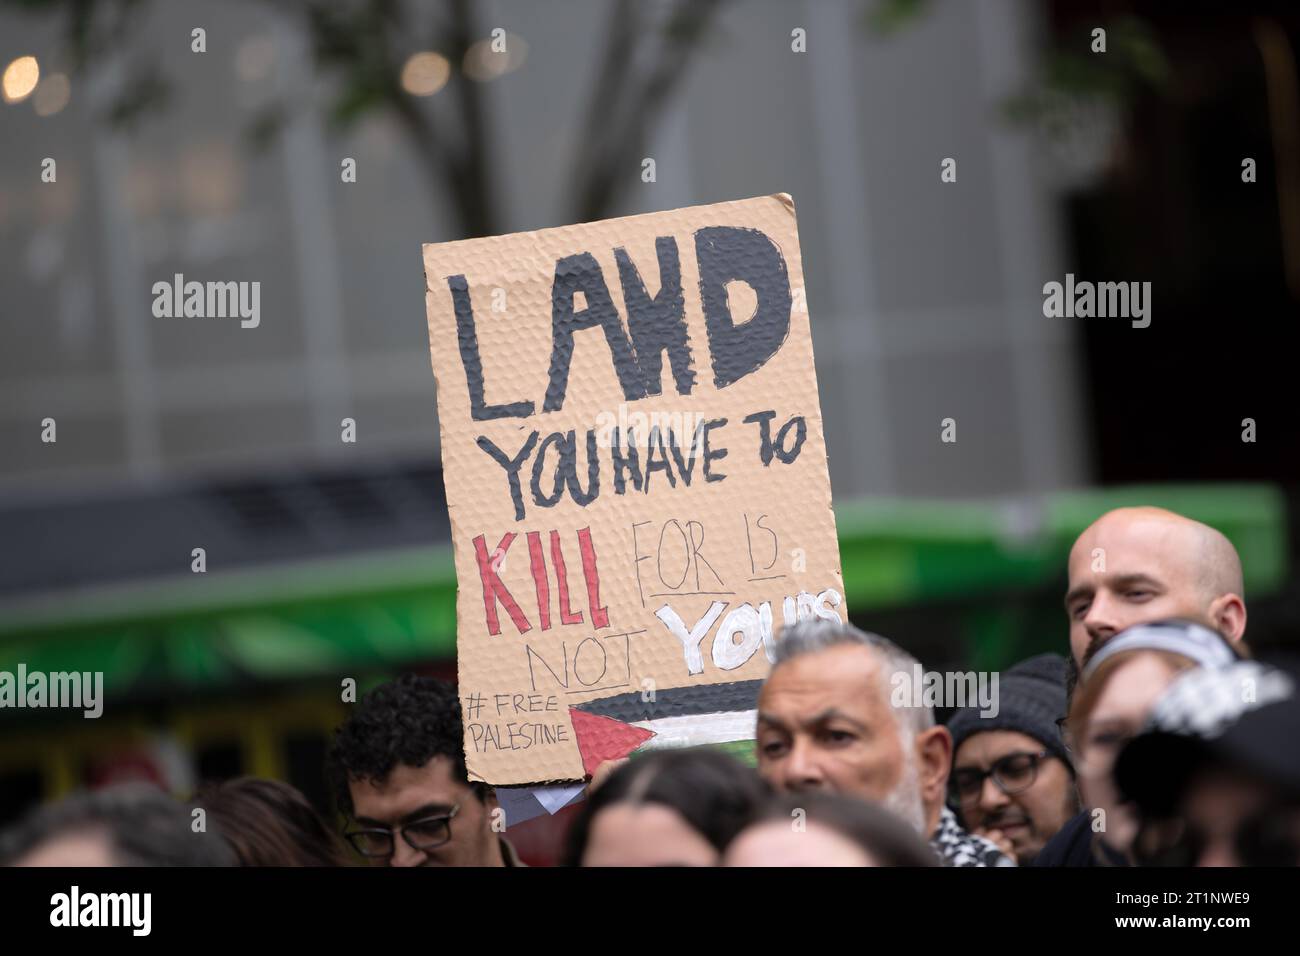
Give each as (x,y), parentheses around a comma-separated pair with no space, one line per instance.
(408,721)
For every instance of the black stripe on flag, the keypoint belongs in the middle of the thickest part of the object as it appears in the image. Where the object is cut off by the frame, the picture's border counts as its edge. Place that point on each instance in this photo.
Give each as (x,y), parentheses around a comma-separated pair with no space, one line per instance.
(677,702)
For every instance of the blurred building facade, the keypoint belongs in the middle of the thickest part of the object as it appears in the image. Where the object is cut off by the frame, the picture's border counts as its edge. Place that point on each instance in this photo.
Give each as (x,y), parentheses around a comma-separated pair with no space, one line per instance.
(925,297)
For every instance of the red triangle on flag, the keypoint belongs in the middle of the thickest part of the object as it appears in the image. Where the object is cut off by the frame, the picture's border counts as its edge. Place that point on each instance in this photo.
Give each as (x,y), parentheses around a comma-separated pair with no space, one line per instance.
(604,738)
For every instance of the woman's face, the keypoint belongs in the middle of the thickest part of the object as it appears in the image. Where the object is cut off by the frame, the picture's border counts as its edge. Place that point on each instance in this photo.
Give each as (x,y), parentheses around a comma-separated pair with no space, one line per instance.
(1121,710)
(645,834)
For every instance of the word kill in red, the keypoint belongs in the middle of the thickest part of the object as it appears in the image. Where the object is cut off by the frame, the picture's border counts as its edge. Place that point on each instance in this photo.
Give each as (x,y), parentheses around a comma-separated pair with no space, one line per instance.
(495,590)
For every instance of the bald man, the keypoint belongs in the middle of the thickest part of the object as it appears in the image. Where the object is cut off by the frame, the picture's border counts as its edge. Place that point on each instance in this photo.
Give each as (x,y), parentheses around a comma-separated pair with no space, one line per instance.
(1137,565)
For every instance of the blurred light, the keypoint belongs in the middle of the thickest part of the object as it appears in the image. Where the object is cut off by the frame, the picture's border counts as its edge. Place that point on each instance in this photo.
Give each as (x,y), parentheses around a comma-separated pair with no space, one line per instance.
(20,78)
(482,63)
(52,94)
(211,179)
(255,58)
(380,136)
(425,73)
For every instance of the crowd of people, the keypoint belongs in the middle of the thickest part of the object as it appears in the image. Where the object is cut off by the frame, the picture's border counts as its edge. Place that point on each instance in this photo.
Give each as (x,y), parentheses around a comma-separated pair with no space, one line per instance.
(1157,739)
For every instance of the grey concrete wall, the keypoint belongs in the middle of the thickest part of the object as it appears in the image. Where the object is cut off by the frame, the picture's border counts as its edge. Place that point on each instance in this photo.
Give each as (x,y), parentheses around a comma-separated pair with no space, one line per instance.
(925,297)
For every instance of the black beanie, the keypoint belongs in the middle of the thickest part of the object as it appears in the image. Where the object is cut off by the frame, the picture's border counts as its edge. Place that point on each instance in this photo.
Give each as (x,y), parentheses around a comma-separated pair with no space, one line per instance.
(1031,696)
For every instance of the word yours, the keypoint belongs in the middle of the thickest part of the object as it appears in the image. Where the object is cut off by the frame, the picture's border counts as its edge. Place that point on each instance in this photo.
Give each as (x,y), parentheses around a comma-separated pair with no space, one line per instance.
(745,628)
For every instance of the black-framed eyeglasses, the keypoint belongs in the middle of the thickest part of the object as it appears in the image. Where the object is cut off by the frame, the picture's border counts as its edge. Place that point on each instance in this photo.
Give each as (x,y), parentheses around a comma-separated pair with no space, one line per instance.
(427,833)
(1014,773)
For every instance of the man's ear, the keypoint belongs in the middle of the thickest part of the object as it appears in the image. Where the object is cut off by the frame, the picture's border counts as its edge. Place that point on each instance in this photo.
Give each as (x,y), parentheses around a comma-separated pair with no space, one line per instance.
(934,762)
(1228,615)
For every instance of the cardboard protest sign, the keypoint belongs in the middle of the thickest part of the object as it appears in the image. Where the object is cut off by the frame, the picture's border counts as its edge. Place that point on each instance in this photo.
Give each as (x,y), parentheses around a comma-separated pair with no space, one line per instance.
(636,476)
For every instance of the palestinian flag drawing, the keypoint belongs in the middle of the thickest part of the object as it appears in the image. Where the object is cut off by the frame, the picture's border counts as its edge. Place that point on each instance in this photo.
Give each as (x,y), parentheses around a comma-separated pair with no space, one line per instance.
(609,728)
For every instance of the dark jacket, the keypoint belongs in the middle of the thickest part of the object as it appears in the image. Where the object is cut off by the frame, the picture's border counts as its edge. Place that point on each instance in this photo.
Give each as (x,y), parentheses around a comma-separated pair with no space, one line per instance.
(1075,844)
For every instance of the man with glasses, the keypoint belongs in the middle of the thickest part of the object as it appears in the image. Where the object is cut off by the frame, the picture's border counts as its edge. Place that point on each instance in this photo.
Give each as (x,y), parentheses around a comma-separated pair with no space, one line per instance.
(1011,781)
(399,774)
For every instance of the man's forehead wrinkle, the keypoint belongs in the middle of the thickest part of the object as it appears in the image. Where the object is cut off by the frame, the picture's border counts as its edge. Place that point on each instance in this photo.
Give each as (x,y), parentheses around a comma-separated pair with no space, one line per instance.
(1113,577)
(860,677)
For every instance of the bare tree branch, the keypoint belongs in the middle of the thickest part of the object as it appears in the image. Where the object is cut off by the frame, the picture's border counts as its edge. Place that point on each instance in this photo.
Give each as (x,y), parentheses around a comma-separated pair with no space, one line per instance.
(619,138)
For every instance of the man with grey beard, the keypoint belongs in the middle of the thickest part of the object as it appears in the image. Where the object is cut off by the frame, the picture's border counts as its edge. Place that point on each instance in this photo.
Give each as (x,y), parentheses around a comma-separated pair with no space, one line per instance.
(825,722)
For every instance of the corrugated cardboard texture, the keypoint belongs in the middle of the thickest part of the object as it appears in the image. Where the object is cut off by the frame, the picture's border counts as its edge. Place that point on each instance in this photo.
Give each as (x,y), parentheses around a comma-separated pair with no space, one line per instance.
(735,546)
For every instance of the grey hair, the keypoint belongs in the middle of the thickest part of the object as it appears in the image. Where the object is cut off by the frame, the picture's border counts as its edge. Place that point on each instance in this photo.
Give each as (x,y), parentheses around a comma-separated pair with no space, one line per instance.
(815,636)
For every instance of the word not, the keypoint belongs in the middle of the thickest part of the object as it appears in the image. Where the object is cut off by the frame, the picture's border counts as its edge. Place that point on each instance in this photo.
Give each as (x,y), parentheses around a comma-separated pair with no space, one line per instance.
(103,909)
(655,324)
(61,689)
(495,590)
(211,300)
(955,689)
(1085,300)
(582,662)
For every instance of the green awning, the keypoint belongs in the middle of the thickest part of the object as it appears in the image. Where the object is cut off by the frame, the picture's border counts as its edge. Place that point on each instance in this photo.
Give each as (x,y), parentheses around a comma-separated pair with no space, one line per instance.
(381,610)
(909,552)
